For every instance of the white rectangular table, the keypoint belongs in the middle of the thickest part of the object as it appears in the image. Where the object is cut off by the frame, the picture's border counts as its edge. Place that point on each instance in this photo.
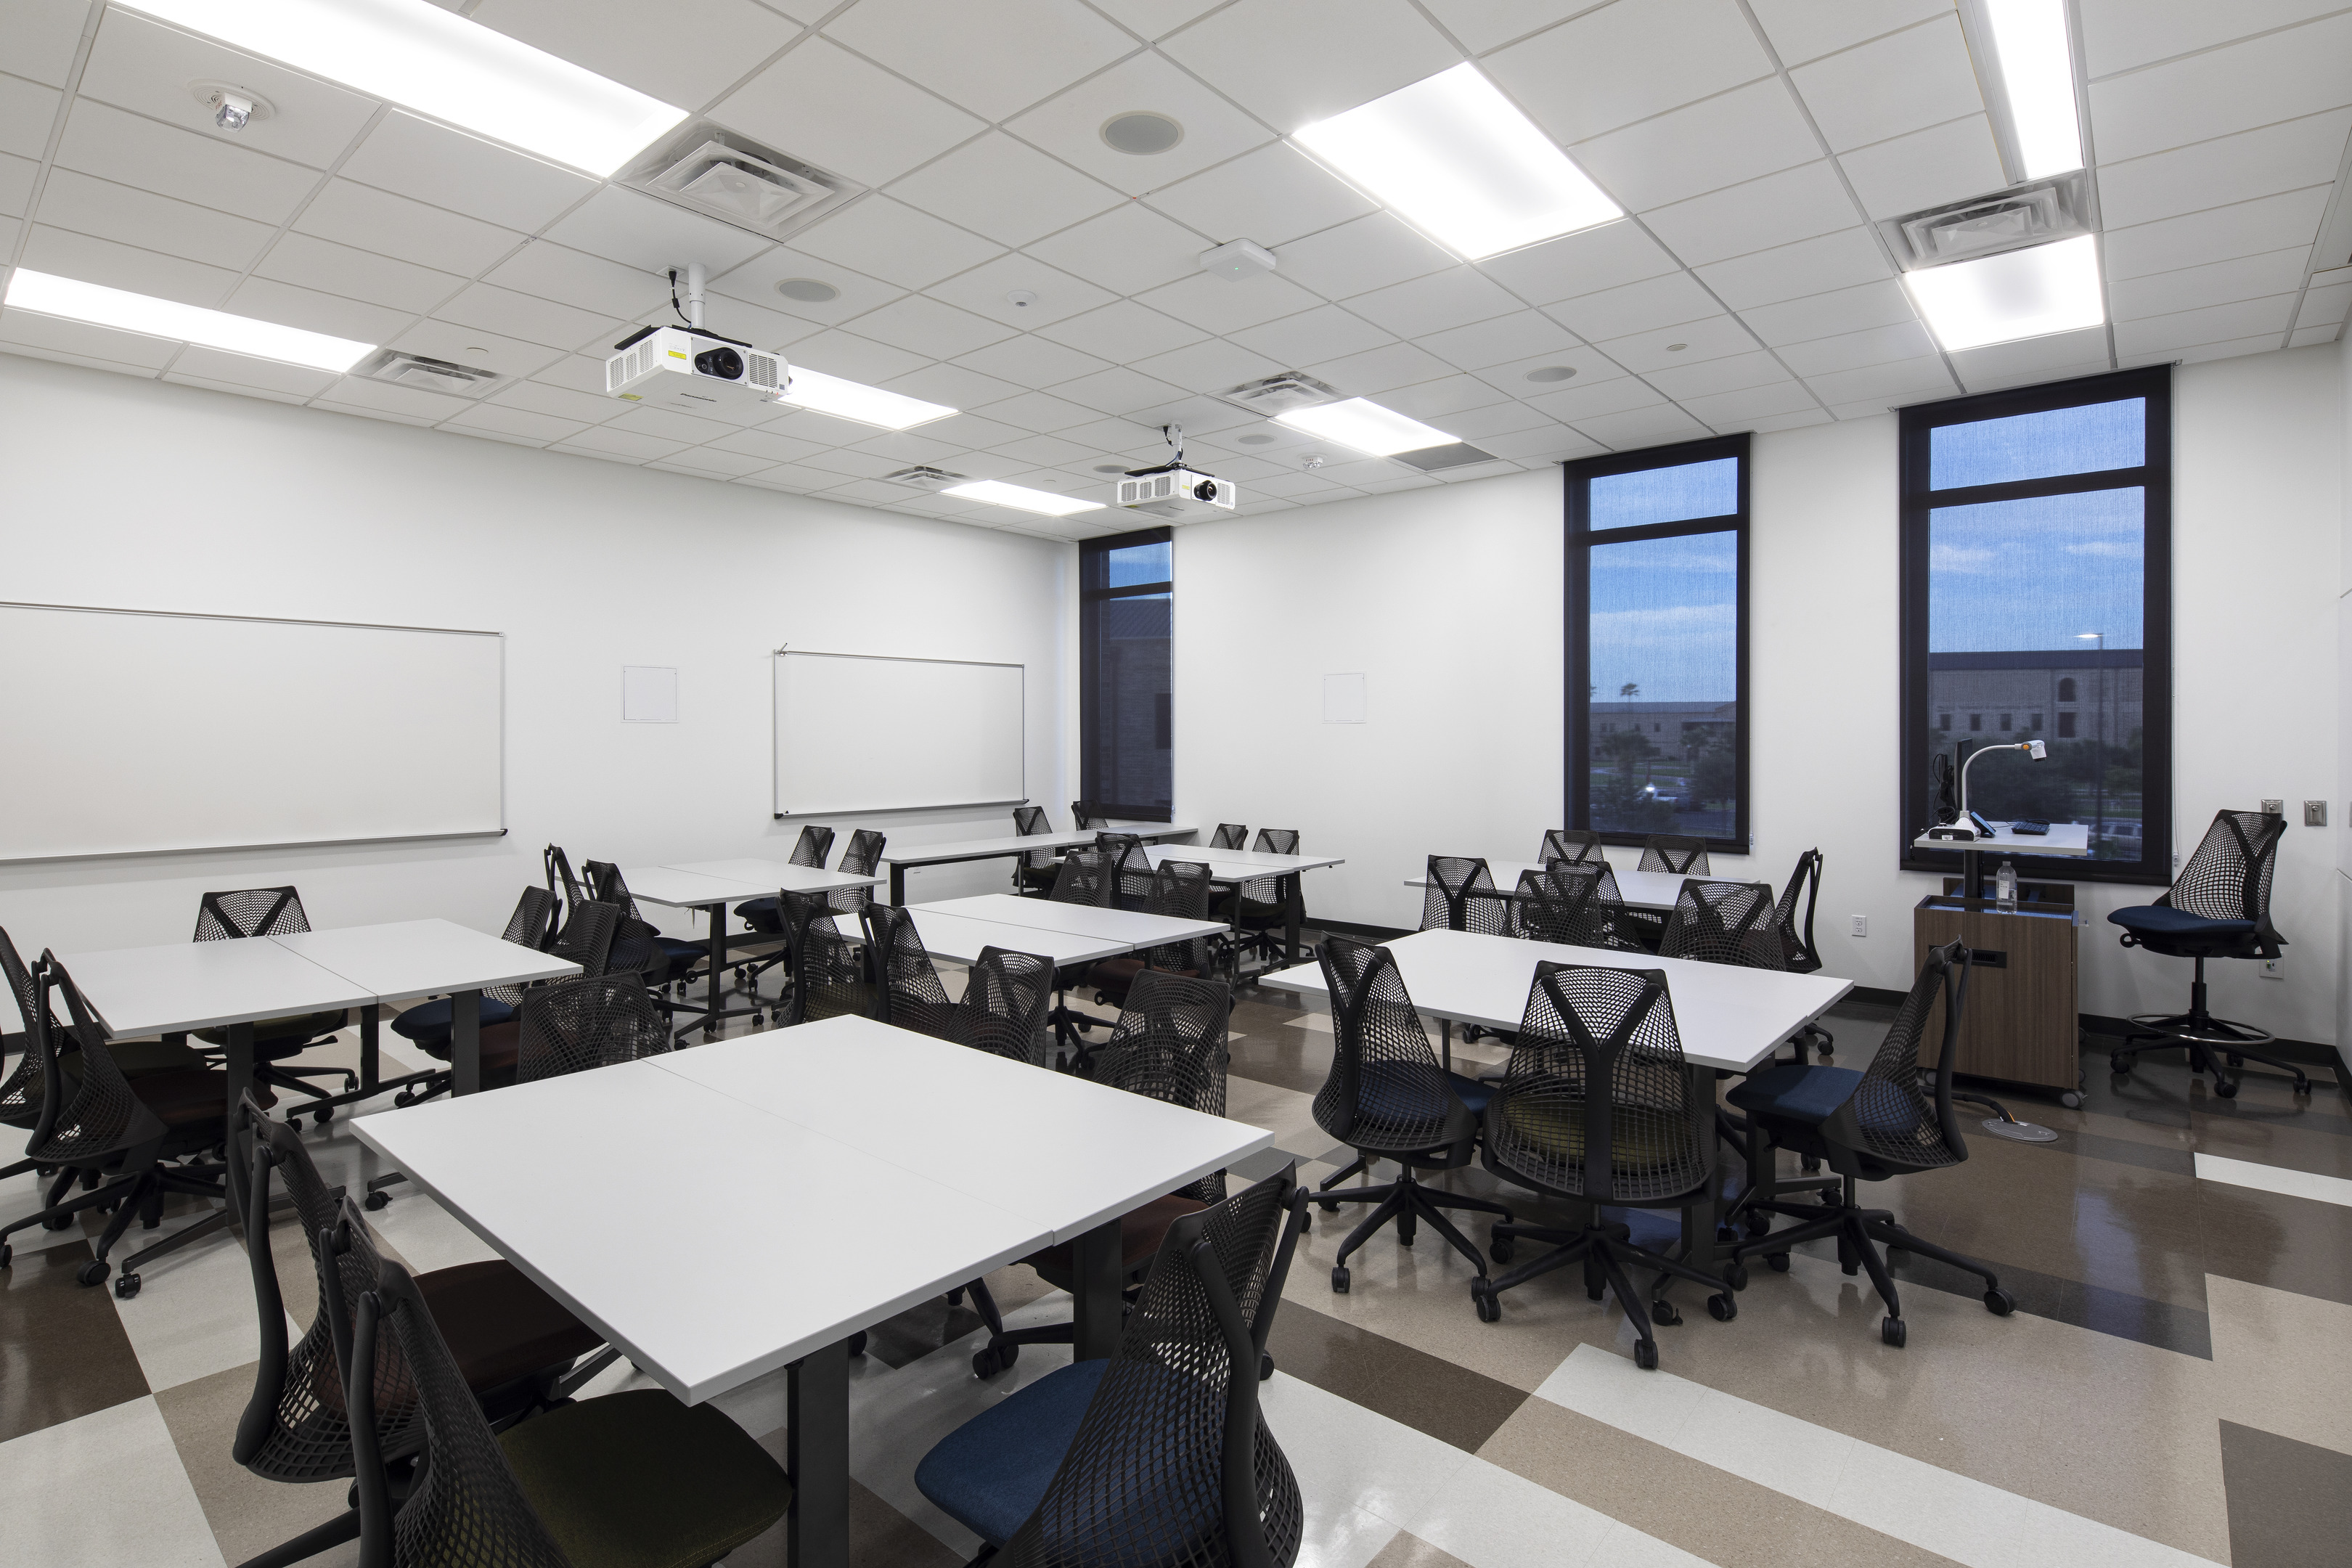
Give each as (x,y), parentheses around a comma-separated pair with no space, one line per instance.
(829,1221)
(1012,844)
(711,886)
(1653,892)
(1232,867)
(1129,927)
(776,876)
(959,939)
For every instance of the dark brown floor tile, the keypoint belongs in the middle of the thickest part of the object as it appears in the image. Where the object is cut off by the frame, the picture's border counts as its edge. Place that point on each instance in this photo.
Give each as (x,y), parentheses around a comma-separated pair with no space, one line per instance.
(879,1535)
(1284,1055)
(1448,1401)
(2267,1239)
(63,1353)
(249,1514)
(2290,1503)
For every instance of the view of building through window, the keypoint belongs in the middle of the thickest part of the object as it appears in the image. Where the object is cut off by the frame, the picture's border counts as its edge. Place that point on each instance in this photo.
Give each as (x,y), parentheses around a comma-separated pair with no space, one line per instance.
(1126,741)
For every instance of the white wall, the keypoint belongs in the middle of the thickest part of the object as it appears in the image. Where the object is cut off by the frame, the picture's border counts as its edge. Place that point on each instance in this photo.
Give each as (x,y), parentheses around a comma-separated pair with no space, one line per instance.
(1450,600)
(134,493)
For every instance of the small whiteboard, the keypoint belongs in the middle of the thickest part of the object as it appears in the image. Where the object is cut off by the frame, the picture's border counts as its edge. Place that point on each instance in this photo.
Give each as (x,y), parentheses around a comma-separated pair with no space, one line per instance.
(1343,699)
(864,732)
(143,732)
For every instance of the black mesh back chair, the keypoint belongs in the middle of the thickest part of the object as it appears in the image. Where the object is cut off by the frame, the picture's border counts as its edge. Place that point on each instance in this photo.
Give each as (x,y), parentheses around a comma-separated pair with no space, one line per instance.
(633,1480)
(1675,854)
(1797,936)
(1157,1454)
(2219,907)
(1570,844)
(590,1021)
(558,866)
(1724,922)
(1597,1106)
(829,966)
(809,849)
(1170,1045)
(1131,872)
(1460,895)
(865,852)
(1085,877)
(1867,1126)
(275,912)
(1088,816)
(1033,869)
(1575,903)
(1230,836)
(513,1344)
(21,1090)
(910,994)
(427,1024)
(1260,907)
(589,936)
(1180,891)
(636,945)
(1006,1000)
(1388,1099)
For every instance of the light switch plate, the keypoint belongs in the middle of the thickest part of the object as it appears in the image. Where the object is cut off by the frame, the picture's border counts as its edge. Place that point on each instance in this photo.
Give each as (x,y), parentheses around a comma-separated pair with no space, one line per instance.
(1862,925)
(2315,813)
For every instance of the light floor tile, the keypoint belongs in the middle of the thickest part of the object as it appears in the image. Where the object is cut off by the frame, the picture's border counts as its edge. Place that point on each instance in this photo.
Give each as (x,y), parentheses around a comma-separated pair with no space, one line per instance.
(114,1474)
(2273,1370)
(193,1314)
(2275,1179)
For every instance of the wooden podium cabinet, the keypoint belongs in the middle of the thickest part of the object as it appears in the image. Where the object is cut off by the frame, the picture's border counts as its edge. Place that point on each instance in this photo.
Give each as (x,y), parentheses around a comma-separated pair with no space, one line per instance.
(2021,1023)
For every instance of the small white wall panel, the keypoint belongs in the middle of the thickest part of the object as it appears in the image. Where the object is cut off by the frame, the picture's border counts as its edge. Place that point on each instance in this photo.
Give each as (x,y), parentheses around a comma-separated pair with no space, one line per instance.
(142,733)
(857,732)
(648,694)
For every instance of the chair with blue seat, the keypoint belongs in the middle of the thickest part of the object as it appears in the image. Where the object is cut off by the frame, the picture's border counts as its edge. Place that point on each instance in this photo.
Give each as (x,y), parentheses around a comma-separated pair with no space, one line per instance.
(1159,1455)
(1387,1098)
(2219,907)
(427,1024)
(1867,1126)
(765,915)
(664,961)
(586,940)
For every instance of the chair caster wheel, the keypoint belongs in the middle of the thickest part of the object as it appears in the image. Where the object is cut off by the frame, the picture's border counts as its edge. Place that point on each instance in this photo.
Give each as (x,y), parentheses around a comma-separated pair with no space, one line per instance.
(323,1117)
(1490,1306)
(1664,1314)
(94,1272)
(1726,1235)
(125,1287)
(955,1297)
(758,1018)
(404,1100)
(2226,1088)
(1305,1222)
(1758,1225)
(2120,1065)
(1645,1354)
(1892,1332)
(1999,1302)
(985,1363)
(1737,1276)
(376,1201)
(1264,1366)
(1329,1205)
(1722,1308)
(7,1254)
(1593,1292)
(857,1343)
(58,1222)
(1778,1262)
(2071,1100)
(1501,1248)
(1340,1281)
(2303,1088)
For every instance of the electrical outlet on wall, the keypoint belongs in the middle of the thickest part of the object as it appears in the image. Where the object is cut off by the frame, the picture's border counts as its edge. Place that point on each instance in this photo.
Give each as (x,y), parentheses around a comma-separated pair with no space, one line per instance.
(2315,813)
(2273,808)
(2272,969)
(1862,925)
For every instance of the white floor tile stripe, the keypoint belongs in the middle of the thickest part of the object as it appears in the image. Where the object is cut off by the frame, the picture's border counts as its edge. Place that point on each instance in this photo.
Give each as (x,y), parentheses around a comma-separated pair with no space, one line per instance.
(108,1487)
(1936,1510)
(2275,1179)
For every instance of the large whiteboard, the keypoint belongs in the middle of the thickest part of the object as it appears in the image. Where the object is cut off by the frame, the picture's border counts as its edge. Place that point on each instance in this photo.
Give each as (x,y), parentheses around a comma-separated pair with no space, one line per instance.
(861,732)
(138,732)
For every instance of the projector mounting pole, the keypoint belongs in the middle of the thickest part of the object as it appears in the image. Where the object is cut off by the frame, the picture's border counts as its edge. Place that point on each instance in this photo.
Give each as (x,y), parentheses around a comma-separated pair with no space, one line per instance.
(694,295)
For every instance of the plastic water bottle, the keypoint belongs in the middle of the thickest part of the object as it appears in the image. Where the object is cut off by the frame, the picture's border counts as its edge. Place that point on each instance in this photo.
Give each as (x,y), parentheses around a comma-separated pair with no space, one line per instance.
(2004,888)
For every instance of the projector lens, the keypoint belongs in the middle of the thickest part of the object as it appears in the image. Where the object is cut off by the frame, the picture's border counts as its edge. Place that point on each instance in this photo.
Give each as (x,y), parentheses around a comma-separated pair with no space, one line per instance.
(724,363)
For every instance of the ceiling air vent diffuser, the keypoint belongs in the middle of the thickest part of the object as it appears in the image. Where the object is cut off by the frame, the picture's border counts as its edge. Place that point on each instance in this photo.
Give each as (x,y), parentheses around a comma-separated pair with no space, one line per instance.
(2037,214)
(1278,394)
(925,477)
(1453,455)
(427,374)
(724,175)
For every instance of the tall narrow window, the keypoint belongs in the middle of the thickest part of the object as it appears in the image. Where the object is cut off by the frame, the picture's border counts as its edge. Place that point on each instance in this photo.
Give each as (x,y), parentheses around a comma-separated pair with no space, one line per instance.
(1657,643)
(1126,590)
(2036,571)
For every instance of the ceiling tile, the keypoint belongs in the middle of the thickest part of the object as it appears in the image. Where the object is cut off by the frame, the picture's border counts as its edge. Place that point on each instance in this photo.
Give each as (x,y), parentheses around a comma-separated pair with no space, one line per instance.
(17,182)
(1030,361)
(143,66)
(1900,380)
(1070,126)
(407,402)
(1482,24)
(2197,353)
(1118,390)
(1439,302)
(412,157)
(670,426)
(1852,351)
(915,446)
(1797,421)
(361,274)
(1377,370)
(2259,163)
(1641,428)
(792,477)
(1732,372)
(605,440)
(185,164)
(27,112)
(369,219)
(682,51)
(1906,81)
(1126,250)
(2278,77)
(1928,168)
(993,60)
(472,345)
(985,287)
(1294,62)
(969,430)
(582,374)
(101,208)
(651,236)
(733,317)
(1436,401)
(1739,408)
(2248,228)
(1828,314)
(1217,304)
(1326,333)
(1496,341)
(1006,189)
(103,261)
(1504,418)
(99,345)
(217,368)
(580,407)
(1271,195)
(709,460)
(1809,266)
(894,242)
(1211,366)
(1742,136)
(1108,436)
(1583,263)
(1549,444)
(2307,337)
(2323,306)
(2034,359)
(770,446)
(1591,366)
(2241,277)
(930,327)
(854,358)
(43,35)
(2120,34)
(1802,30)
(821,429)
(2212,324)
(574,278)
(1778,210)
(519,422)
(1655,350)
(1606,68)
(1122,331)
(535,320)
(1049,451)
(756,282)
(1370,253)
(1635,307)
(825,104)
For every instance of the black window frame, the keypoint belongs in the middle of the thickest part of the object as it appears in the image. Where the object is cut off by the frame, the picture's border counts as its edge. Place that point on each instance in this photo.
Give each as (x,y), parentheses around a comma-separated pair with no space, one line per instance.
(1089,756)
(1577,479)
(2153,479)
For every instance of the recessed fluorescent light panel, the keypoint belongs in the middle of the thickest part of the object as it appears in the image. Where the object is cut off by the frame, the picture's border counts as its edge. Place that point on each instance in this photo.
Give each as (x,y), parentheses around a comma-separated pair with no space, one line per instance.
(825,394)
(1366,425)
(77,301)
(1450,155)
(2027,293)
(2037,77)
(438,63)
(1020,497)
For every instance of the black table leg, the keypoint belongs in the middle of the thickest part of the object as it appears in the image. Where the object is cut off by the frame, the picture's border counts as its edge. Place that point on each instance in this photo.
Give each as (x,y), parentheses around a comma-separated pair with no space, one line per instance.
(371,1067)
(466,1042)
(817,1453)
(898,884)
(718,913)
(1292,906)
(1096,1318)
(240,1078)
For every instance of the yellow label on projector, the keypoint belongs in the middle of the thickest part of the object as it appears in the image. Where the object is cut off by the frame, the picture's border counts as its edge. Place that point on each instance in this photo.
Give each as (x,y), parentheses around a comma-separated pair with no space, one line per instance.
(677,353)
(633,398)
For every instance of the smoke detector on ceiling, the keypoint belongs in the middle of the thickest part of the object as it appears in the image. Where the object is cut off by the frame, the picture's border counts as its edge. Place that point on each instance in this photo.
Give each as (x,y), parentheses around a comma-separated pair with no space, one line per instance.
(2035,213)
(1278,394)
(724,175)
(425,374)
